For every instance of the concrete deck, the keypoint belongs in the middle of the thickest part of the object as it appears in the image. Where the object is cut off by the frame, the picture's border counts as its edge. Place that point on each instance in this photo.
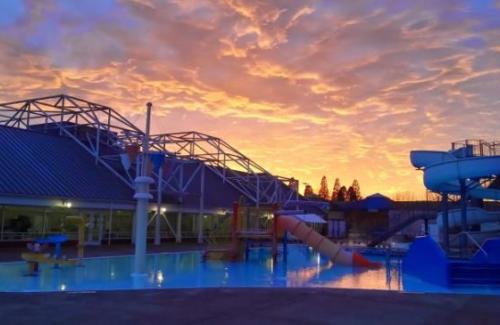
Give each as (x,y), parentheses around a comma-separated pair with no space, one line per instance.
(247,306)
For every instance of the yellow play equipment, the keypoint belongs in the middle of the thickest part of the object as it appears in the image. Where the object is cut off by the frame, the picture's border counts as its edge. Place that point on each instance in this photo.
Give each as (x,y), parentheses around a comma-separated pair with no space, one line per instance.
(82,224)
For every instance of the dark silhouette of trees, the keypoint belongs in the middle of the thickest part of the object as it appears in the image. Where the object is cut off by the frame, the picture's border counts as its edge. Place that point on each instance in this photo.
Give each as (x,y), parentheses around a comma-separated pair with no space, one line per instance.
(351,194)
(354,192)
(324,193)
(308,191)
(336,189)
(342,195)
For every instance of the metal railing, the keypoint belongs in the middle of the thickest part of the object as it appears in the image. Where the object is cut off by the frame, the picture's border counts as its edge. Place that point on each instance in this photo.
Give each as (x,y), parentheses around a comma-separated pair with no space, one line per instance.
(477,147)
(469,236)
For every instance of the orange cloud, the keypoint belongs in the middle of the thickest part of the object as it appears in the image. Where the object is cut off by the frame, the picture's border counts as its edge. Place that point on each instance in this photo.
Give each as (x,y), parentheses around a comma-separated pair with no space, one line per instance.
(307,88)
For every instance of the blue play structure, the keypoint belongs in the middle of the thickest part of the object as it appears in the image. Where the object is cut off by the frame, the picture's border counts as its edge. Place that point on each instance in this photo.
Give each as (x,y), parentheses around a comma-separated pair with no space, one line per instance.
(57,241)
(427,261)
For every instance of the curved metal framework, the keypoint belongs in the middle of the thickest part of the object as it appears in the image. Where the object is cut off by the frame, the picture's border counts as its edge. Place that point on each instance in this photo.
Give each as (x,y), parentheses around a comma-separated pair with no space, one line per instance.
(104,133)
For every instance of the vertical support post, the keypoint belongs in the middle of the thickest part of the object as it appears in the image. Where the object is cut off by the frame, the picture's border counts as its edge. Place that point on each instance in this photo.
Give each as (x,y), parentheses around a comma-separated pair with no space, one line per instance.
(235,225)
(44,221)
(285,245)
(446,236)
(81,236)
(90,231)
(463,215)
(3,222)
(142,196)
(202,205)
(275,234)
(178,238)
(100,228)
(158,207)
(110,224)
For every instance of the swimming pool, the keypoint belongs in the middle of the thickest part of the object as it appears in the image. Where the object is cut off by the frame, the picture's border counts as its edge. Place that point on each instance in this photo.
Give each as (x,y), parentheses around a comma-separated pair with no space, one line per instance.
(301,268)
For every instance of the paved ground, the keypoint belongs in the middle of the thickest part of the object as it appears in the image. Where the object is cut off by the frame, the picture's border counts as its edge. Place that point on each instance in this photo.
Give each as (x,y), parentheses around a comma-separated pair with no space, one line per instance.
(247,306)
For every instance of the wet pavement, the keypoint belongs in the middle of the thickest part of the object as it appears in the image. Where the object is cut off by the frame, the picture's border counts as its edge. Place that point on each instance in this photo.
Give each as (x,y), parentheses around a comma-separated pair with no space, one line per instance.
(247,306)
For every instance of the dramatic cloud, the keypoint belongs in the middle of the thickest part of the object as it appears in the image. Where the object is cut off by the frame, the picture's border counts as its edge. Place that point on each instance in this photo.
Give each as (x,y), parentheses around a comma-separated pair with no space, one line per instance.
(306,88)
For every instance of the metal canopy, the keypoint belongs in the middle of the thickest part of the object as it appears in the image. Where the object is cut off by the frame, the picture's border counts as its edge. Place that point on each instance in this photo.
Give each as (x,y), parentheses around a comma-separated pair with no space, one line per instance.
(309,218)
(106,134)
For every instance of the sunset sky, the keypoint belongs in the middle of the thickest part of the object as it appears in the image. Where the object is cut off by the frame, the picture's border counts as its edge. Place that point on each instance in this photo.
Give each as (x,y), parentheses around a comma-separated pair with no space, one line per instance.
(305,88)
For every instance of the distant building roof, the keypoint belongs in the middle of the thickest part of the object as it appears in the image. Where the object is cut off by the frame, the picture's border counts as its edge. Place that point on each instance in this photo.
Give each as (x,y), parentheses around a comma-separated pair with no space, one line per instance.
(375,201)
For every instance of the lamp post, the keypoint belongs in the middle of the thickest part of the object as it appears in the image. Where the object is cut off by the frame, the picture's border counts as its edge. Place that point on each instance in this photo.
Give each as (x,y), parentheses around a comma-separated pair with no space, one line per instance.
(142,196)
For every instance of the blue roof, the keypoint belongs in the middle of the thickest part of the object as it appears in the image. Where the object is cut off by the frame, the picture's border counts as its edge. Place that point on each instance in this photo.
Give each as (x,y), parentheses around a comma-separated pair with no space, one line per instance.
(373,202)
(41,165)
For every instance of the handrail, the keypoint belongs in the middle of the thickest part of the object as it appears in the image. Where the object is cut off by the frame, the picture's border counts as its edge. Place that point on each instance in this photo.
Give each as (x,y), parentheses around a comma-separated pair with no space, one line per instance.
(466,233)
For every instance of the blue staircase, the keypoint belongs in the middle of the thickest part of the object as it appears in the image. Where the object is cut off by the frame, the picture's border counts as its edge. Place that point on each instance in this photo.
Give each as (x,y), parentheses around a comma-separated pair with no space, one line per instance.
(470,273)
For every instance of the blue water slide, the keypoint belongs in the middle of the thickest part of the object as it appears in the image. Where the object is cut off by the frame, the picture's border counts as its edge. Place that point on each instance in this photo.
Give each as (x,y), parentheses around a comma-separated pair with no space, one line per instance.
(444,170)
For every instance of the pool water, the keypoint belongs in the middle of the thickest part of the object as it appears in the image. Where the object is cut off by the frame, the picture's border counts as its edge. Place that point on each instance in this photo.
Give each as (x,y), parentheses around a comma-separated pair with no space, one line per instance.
(301,268)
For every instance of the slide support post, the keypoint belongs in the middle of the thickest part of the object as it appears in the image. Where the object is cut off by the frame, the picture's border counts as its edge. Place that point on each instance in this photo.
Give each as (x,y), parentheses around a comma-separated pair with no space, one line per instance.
(275,233)
(446,236)
(285,245)
(463,216)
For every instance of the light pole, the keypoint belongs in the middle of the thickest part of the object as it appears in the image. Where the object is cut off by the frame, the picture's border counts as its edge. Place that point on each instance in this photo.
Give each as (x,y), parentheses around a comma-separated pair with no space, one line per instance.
(142,196)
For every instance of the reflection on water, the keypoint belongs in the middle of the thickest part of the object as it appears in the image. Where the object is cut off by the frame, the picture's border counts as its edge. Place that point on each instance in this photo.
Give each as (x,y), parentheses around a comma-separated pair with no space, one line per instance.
(301,268)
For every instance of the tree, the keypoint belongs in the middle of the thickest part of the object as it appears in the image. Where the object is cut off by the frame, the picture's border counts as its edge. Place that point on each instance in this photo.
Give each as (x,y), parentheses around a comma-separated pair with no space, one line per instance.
(351,194)
(336,189)
(324,193)
(354,192)
(342,195)
(308,191)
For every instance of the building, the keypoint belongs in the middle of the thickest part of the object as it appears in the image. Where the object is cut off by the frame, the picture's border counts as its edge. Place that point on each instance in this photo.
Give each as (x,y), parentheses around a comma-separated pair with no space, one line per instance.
(63,156)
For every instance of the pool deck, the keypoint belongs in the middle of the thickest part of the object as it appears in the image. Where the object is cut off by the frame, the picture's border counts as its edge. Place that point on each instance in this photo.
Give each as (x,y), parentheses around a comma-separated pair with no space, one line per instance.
(247,306)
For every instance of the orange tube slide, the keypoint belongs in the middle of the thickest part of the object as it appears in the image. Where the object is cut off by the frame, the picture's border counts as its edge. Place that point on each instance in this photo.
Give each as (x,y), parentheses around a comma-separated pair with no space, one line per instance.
(322,244)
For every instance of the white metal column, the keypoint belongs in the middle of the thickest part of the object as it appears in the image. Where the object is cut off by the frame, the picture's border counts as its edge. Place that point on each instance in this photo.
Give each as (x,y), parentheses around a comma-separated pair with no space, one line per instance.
(158,207)
(142,196)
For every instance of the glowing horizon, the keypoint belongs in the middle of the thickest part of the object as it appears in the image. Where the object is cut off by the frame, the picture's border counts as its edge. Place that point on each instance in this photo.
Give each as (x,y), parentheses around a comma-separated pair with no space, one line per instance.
(304,88)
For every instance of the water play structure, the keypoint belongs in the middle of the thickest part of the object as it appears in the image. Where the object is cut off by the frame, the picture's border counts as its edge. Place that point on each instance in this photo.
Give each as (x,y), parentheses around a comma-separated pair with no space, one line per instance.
(469,170)
(36,254)
(279,224)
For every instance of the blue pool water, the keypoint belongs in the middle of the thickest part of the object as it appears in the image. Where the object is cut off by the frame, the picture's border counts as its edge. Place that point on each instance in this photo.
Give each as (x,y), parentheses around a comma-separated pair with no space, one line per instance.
(302,268)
